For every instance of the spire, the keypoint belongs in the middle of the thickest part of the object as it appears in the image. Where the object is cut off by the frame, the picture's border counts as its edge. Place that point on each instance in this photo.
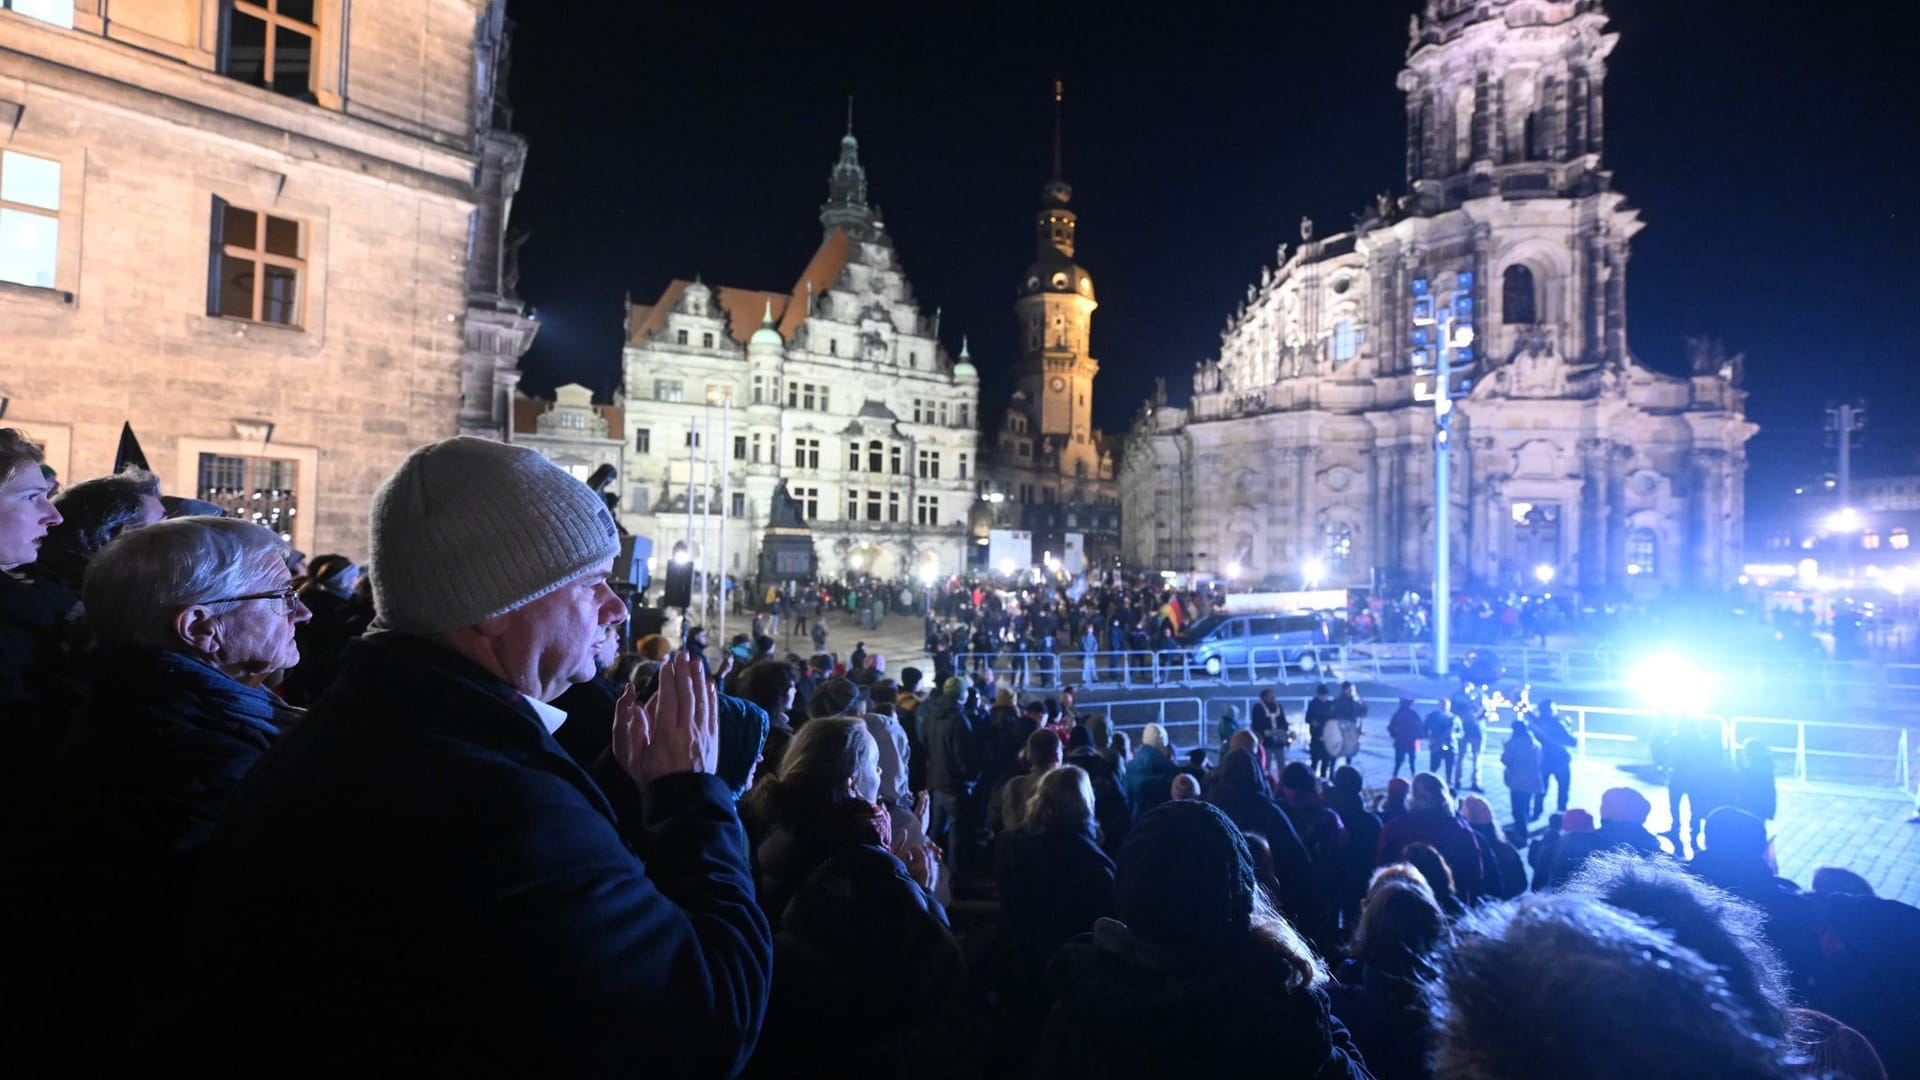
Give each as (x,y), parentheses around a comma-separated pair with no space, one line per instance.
(767,318)
(1059,91)
(846,205)
(964,354)
(849,115)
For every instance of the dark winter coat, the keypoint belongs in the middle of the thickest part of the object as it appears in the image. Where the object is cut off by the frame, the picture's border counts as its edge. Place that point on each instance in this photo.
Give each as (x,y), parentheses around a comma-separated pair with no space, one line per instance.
(1119,1003)
(1356,862)
(1110,807)
(1149,779)
(1240,791)
(1575,848)
(119,839)
(955,757)
(1385,1016)
(850,923)
(1053,887)
(1448,835)
(1506,871)
(1405,728)
(419,879)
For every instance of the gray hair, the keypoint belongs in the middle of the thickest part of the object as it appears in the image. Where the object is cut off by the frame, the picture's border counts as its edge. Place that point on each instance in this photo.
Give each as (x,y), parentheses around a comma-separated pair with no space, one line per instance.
(137,583)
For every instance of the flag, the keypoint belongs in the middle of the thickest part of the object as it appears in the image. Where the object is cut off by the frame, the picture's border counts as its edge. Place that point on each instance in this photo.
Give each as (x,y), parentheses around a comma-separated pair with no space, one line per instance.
(129,454)
(1171,611)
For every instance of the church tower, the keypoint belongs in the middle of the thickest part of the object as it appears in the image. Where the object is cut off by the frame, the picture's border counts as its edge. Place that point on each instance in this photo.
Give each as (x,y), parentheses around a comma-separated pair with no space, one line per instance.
(1055,311)
(846,206)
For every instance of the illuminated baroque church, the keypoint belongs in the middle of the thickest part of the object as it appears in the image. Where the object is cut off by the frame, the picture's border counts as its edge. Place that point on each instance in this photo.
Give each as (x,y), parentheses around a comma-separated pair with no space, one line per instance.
(1306,442)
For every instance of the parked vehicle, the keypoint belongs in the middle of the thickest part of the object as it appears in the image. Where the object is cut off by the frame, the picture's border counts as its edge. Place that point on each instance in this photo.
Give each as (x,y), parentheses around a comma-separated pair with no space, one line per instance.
(1221,642)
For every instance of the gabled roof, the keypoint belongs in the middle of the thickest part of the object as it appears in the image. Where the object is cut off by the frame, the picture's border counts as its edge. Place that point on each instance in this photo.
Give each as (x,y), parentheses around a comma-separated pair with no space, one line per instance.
(746,307)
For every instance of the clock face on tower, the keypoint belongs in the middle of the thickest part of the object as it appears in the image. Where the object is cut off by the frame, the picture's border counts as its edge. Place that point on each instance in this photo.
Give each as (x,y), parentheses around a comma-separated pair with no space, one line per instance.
(1058,384)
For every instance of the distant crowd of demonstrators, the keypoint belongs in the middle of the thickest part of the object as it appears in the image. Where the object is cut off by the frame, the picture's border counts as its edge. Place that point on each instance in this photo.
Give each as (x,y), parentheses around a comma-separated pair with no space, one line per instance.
(265,819)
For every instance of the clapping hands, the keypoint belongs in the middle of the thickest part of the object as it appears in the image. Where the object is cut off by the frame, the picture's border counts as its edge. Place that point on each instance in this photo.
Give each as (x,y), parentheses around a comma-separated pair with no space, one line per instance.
(678,731)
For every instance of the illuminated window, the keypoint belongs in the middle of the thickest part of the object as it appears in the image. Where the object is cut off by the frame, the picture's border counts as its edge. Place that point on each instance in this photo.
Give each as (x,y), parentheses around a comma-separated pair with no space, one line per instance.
(256,489)
(1898,540)
(259,266)
(1346,341)
(57,12)
(271,43)
(1643,550)
(1338,548)
(29,219)
(1870,541)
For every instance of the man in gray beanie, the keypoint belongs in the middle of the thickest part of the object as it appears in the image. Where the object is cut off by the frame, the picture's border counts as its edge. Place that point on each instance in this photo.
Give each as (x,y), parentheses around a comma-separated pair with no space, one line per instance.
(421,880)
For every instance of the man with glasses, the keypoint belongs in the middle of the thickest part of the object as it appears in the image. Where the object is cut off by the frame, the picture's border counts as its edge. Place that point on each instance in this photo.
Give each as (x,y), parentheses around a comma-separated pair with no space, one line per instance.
(421,880)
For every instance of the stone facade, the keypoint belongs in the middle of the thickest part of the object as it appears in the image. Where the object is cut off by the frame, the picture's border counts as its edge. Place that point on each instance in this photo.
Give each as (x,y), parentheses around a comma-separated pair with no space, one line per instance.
(1051,471)
(260,261)
(839,386)
(1308,437)
(570,431)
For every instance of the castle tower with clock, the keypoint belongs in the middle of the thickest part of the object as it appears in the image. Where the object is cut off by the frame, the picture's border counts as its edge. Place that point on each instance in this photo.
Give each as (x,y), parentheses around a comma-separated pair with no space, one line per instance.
(1053,470)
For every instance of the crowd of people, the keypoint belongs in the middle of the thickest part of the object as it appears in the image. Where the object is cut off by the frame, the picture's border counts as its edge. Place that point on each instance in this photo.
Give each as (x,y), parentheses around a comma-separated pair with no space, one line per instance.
(270,816)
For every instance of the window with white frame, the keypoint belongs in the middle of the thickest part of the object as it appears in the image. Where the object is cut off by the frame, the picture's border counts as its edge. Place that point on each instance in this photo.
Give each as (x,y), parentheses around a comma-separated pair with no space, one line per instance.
(643,441)
(809,500)
(926,510)
(29,219)
(669,390)
(806,453)
(929,464)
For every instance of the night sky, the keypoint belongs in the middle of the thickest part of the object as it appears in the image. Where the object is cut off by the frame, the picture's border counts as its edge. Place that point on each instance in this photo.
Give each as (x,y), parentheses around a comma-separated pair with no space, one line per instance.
(1771,148)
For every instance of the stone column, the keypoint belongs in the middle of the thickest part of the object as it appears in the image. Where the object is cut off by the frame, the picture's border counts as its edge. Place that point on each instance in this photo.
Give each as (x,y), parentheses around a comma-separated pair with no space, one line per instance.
(1598,512)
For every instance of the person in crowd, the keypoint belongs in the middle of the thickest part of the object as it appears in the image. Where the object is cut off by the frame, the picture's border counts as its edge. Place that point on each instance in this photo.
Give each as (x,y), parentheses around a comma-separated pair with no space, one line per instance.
(587,731)
(1109,794)
(1500,1009)
(1521,759)
(1226,728)
(1055,883)
(1438,873)
(1346,796)
(1395,804)
(851,916)
(1149,775)
(1240,791)
(1623,824)
(1505,874)
(1404,729)
(955,767)
(1192,936)
(1349,717)
(770,684)
(1377,989)
(1118,753)
(1472,713)
(1442,730)
(1556,756)
(1832,1050)
(1430,819)
(1321,831)
(31,610)
(190,616)
(1319,715)
(1269,725)
(93,513)
(430,769)
(1543,849)
(1830,880)
(1734,857)
(1042,754)
(1184,788)
(328,594)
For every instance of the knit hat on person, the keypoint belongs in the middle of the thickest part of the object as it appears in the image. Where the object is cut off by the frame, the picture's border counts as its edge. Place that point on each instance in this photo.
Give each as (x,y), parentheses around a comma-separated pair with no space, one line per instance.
(832,698)
(1186,878)
(1626,805)
(882,692)
(1576,820)
(466,529)
(1476,810)
(743,733)
(953,686)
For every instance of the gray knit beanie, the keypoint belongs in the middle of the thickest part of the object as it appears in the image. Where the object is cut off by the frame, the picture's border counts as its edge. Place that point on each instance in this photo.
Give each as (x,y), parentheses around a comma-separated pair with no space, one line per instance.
(466,529)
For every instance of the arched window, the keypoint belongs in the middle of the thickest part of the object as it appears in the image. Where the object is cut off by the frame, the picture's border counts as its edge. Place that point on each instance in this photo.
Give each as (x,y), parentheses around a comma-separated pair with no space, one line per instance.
(875,457)
(1339,549)
(1517,306)
(1643,552)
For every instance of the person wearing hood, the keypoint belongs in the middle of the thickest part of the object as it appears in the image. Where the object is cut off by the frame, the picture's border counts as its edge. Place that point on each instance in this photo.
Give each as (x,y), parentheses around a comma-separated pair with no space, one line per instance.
(1345,796)
(1430,819)
(1521,758)
(1404,729)
(1193,935)
(1239,789)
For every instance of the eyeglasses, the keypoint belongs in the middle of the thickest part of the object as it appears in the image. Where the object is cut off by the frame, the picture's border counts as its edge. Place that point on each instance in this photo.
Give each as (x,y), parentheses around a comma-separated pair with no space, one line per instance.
(286,594)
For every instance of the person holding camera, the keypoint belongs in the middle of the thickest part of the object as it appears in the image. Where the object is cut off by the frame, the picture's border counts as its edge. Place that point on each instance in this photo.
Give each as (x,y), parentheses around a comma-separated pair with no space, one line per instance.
(419,879)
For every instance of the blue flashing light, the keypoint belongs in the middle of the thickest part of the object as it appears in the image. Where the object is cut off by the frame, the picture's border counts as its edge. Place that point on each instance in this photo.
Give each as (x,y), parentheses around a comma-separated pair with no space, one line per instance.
(1463,280)
(1423,308)
(1419,286)
(1422,360)
(1463,305)
(1422,336)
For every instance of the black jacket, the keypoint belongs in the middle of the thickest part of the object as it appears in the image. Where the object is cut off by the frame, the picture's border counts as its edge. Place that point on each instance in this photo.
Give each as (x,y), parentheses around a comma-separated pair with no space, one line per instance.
(118,840)
(1110,806)
(955,756)
(1118,1004)
(419,879)
(1240,790)
(855,935)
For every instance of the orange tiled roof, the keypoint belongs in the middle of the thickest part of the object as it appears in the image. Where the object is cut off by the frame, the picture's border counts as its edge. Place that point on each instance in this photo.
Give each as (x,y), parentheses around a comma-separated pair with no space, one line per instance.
(746,307)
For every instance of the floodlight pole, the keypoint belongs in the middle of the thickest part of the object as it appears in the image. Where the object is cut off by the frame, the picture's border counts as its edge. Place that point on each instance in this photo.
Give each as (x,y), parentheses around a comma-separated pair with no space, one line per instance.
(1442,499)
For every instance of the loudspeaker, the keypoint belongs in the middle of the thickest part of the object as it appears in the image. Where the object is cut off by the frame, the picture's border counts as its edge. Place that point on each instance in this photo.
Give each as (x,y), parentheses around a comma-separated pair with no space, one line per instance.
(679,585)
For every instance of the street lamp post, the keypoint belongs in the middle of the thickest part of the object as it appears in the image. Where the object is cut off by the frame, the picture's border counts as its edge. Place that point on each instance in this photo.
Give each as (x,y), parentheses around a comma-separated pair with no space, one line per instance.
(1439,331)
